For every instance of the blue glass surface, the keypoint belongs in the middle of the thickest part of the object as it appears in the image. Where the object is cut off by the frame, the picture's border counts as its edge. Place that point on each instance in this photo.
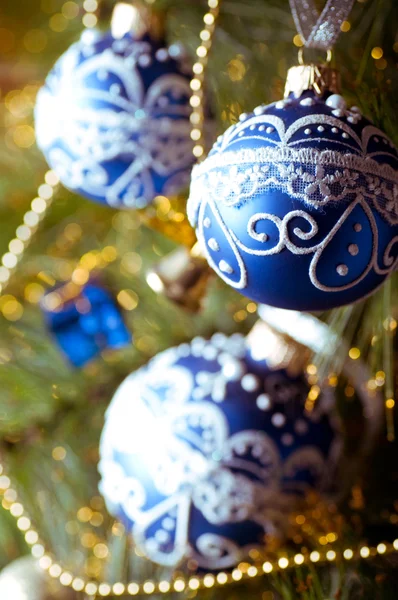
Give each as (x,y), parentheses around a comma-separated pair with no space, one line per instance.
(113,119)
(307,231)
(188,453)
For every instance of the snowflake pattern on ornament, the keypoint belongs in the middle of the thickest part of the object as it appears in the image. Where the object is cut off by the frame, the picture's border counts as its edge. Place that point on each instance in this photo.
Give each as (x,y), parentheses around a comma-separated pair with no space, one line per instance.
(113,120)
(205,449)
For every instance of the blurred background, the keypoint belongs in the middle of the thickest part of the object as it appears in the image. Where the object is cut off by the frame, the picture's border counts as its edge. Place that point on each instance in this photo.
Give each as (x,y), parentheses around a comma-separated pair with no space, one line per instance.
(51,414)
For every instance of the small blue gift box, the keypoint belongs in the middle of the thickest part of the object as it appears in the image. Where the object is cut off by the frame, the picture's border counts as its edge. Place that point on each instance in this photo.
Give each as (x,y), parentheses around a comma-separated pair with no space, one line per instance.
(85,320)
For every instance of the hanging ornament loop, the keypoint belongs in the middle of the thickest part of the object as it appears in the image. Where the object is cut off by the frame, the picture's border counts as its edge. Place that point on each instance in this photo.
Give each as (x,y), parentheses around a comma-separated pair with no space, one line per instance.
(320,30)
(301,61)
(320,79)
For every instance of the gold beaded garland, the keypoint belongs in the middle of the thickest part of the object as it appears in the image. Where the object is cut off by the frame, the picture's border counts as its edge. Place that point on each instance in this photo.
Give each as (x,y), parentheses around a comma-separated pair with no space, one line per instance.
(26,230)
(9,262)
(180,584)
(41,203)
(32,218)
(199,68)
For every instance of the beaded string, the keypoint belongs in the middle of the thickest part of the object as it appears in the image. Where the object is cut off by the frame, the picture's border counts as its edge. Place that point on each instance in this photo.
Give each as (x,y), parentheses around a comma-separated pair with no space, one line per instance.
(41,204)
(26,230)
(9,262)
(242,573)
(92,589)
(197,99)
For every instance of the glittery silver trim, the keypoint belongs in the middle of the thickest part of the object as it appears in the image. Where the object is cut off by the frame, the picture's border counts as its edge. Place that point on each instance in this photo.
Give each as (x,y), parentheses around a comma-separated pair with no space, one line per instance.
(320,30)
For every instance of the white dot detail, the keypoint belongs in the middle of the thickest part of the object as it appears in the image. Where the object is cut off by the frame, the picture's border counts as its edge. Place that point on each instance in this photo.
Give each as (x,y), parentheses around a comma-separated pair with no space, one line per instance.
(307,131)
(168,524)
(152,545)
(115,89)
(197,346)
(232,370)
(307,102)
(270,130)
(342,270)
(250,382)
(213,244)
(336,101)
(225,267)
(335,130)
(357,227)
(162,536)
(209,353)
(263,402)
(321,128)
(219,340)
(144,60)
(175,50)
(184,350)
(206,222)
(353,249)
(345,135)
(259,110)
(162,54)
(278,420)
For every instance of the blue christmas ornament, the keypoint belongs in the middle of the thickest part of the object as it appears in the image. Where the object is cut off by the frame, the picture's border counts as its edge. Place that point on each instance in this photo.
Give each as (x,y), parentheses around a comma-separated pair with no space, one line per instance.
(84,323)
(113,119)
(296,205)
(205,449)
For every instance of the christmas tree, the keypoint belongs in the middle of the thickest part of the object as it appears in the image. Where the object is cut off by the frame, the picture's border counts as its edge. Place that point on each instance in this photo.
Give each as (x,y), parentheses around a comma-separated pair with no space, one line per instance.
(197,301)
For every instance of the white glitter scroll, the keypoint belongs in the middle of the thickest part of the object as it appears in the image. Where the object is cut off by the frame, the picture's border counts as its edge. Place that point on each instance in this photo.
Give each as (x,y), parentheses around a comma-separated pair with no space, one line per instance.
(320,30)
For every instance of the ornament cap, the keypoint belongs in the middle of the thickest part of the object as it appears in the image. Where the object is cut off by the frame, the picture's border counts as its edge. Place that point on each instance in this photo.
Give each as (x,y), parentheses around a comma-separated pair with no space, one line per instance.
(137,18)
(315,77)
(182,277)
(279,350)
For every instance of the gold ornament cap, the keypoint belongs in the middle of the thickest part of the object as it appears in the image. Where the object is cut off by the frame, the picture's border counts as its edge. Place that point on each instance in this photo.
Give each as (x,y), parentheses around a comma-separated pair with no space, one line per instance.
(137,18)
(182,276)
(319,78)
(279,350)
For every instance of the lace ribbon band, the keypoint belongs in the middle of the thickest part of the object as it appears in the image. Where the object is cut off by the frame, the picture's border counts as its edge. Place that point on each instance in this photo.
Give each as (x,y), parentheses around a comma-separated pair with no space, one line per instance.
(315,177)
(320,30)
(310,156)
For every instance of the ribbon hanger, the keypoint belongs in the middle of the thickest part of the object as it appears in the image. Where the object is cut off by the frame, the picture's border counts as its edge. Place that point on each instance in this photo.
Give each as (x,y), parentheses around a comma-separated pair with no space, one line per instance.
(320,30)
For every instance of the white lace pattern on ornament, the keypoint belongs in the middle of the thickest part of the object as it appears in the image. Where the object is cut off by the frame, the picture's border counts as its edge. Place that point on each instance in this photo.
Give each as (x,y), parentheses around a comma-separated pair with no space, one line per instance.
(191,459)
(316,177)
(231,177)
(145,130)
